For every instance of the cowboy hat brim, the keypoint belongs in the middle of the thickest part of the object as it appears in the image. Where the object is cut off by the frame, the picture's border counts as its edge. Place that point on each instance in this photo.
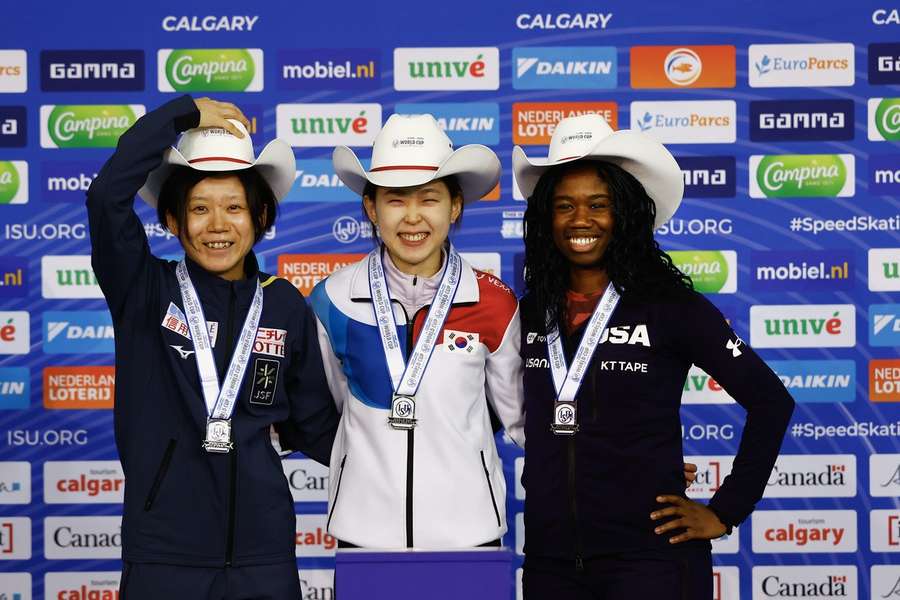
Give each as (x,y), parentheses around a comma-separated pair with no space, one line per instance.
(275,164)
(644,158)
(476,167)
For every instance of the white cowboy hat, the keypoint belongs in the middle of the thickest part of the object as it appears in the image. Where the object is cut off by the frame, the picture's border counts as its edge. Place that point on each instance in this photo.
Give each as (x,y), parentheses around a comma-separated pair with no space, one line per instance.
(215,149)
(413,150)
(590,137)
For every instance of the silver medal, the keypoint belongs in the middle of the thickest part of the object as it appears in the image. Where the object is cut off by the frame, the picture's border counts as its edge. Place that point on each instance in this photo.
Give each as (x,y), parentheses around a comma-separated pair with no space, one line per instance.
(218,436)
(403,412)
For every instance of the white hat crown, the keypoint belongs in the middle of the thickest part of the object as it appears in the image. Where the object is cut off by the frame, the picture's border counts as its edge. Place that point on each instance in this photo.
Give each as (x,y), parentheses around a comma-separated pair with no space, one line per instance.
(217,144)
(577,136)
(410,142)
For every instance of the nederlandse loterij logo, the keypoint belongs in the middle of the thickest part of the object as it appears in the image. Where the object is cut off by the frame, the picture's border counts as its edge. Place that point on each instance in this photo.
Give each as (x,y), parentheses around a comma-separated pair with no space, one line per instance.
(210,70)
(13,182)
(800,65)
(446,69)
(712,271)
(802,176)
(86,125)
(884,119)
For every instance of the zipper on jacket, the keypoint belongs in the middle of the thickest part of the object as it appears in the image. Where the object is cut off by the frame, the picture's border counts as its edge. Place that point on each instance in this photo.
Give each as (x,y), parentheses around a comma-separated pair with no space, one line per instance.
(410,444)
(337,493)
(160,474)
(232,476)
(487,476)
(573,506)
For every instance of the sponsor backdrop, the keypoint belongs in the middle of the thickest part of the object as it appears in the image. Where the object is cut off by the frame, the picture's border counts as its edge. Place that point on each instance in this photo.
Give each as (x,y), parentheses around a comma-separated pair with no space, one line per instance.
(785,118)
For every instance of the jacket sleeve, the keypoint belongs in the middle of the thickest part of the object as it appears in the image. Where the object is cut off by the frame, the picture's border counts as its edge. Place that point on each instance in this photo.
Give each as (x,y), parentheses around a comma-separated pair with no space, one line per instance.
(120,254)
(313,421)
(504,381)
(334,373)
(753,385)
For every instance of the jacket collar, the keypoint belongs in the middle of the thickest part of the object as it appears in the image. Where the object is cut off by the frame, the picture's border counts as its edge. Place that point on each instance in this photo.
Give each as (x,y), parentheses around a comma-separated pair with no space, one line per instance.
(203,279)
(466,293)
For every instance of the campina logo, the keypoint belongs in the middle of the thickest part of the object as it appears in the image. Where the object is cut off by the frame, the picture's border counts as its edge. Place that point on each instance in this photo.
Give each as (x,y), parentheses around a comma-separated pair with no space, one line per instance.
(817,381)
(801,65)
(68,277)
(884,380)
(210,70)
(78,332)
(92,70)
(86,125)
(316,181)
(802,176)
(803,326)
(535,122)
(813,476)
(304,271)
(712,271)
(832,582)
(708,176)
(13,127)
(13,277)
(884,119)
(884,64)
(700,388)
(686,122)
(884,174)
(67,181)
(682,66)
(884,475)
(801,120)
(13,182)
(884,269)
(884,325)
(804,531)
(463,122)
(801,270)
(13,71)
(446,69)
(885,530)
(335,68)
(15,385)
(568,67)
(318,125)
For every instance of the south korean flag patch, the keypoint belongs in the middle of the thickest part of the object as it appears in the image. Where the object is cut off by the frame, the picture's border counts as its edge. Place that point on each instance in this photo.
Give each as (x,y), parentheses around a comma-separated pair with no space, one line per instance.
(459,341)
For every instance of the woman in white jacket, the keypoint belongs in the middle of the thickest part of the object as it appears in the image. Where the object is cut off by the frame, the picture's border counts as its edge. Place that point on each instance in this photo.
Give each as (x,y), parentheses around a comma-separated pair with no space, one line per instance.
(416,344)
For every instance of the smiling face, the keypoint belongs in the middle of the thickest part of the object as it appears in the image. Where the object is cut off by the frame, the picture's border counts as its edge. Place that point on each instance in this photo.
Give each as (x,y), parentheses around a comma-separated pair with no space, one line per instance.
(218,230)
(413,223)
(583,217)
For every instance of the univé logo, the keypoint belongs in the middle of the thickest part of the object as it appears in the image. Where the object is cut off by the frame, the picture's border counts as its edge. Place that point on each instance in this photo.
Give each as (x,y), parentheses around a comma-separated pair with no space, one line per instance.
(803,326)
(210,70)
(884,269)
(86,125)
(69,277)
(314,125)
(15,334)
(700,388)
(446,69)
(304,271)
(682,66)
(884,119)
(802,176)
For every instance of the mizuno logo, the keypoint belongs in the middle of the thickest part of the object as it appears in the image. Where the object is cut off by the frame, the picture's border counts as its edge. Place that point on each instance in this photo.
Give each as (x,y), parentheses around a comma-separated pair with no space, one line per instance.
(182,352)
(735,347)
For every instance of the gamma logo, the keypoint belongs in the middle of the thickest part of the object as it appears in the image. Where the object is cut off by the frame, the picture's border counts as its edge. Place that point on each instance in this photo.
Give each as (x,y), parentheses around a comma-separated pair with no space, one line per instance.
(708,176)
(797,120)
(884,64)
(884,119)
(556,68)
(86,125)
(440,69)
(13,127)
(92,70)
(210,70)
(802,176)
(682,66)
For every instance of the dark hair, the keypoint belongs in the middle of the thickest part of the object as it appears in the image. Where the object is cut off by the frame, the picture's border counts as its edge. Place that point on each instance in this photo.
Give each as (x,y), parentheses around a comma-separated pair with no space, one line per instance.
(450,181)
(173,197)
(634,262)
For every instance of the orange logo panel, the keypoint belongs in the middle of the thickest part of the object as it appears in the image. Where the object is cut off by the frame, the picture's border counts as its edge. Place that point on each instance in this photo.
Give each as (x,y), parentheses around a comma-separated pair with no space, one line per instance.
(884,380)
(75,388)
(494,194)
(534,122)
(682,66)
(304,271)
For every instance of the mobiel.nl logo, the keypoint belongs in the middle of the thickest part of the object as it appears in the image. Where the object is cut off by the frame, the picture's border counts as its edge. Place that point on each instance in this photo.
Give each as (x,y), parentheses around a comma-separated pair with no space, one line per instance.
(67,181)
(86,125)
(884,174)
(802,176)
(13,277)
(803,326)
(92,70)
(13,182)
(335,68)
(318,125)
(446,69)
(712,271)
(210,70)
(884,119)
(800,65)
(801,270)
(570,67)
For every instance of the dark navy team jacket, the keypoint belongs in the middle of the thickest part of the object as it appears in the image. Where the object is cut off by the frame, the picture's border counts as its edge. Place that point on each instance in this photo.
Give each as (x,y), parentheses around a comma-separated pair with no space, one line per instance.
(184,505)
(592,493)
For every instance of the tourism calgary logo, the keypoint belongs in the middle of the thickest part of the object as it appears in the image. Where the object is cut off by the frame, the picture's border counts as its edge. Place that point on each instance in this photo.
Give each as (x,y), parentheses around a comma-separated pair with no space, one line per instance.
(211,70)
(884,119)
(802,176)
(86,125)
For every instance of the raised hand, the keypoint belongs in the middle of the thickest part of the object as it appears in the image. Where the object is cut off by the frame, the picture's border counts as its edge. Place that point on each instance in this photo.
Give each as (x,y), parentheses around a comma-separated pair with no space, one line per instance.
(216,114)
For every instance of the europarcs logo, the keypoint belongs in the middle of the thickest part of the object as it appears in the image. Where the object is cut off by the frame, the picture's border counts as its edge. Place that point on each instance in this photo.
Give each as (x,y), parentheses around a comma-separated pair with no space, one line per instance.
(884,119)
(86,125)
(210,70)
(13,182)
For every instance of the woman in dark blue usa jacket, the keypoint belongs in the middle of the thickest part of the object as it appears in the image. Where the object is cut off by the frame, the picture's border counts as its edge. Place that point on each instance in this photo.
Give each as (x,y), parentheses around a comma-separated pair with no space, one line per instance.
(609,330)
(210,353)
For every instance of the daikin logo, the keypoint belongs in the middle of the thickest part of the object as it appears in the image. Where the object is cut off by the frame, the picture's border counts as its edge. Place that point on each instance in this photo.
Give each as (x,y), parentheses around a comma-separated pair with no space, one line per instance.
(803,326)
(712,271)
(570,67)
(802,176)
(884,325)
(884,119)
(463,122)
(817,381)
(446,69)
(796,120)
(86,125)
(13,182)
(210,70)
(316,181)
(78,332)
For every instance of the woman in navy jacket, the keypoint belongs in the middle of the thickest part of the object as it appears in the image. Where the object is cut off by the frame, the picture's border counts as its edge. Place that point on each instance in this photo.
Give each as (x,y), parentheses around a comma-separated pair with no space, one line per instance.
(609,330)
(210,352)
